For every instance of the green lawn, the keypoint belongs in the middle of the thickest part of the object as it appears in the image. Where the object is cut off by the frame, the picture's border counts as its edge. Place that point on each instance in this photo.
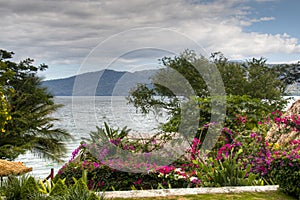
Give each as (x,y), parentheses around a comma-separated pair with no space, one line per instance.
(242,196)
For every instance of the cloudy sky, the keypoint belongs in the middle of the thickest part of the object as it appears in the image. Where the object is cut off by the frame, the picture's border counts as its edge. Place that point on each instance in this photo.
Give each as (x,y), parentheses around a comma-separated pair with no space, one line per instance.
(75,36)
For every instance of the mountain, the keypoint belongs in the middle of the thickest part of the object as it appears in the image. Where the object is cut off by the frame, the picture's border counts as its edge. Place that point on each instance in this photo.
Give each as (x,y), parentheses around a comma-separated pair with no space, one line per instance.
(100,83)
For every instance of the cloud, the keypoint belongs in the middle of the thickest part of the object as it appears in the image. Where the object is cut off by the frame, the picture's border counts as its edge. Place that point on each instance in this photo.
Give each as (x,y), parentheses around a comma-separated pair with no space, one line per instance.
(64,33)
(263,19)
(263,1)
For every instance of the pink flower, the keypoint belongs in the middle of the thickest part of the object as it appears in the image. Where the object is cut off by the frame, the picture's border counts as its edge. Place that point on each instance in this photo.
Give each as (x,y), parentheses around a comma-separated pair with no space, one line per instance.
(224,150)
(115,141)
(138,182)
(241,119)
(253,135)
(96,165)
(165,169)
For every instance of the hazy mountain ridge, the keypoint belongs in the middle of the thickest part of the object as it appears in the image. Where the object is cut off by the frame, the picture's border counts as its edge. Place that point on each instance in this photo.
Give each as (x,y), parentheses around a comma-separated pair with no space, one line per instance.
(110,83)
(100,83)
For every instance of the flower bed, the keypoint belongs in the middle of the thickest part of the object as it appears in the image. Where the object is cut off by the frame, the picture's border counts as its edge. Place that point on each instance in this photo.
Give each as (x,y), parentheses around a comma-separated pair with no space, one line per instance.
(241,157)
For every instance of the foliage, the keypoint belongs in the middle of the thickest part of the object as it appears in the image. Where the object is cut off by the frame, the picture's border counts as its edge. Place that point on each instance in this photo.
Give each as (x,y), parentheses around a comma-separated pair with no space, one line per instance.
(30,105)
(286,169)
(182,173)
(93,196)
(11,187)
(79,190)
(263,82)
(105,137)
(4,111)
(26,187)
(19,188)
(45,186)
(227,172)
(29,188)
(253,79)
(241,111)
(289,73)
(242,156)
(102,177)
(59,188)
(113,133)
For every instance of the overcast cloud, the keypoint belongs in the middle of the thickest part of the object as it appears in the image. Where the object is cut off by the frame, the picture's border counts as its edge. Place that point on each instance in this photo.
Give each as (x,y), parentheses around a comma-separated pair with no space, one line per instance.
(69,34)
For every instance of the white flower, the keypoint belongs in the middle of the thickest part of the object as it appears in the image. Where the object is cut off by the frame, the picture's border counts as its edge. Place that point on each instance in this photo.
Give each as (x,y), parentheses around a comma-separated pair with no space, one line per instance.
(193,179)
(178,170)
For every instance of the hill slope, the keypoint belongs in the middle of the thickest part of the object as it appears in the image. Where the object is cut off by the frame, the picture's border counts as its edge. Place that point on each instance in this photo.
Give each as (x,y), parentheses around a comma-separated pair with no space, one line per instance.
(100,83)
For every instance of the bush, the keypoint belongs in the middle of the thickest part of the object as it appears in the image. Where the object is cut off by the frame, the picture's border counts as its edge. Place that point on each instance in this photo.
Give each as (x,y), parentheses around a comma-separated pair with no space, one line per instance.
(228,171)
(286,170)
(93,196)
(29,189)
(242,156)
(59,188)
(26,187)
(21,188)
(12,187)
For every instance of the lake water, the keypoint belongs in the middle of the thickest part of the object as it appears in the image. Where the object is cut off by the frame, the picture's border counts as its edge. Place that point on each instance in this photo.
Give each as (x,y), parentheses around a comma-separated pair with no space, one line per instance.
(81,115)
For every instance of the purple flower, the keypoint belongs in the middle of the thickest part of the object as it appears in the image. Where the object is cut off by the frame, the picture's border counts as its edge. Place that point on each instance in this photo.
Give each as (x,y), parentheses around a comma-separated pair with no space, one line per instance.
(74,153)
(96,165)
(138,182)
(115,141)
(253,135)
(103,154)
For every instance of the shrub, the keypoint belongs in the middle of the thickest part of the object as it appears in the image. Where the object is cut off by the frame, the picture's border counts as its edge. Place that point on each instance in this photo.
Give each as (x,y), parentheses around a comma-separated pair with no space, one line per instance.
(59,189)
(93,196)
(286,170)
(227,170)
(79,190)
(11,187)
(29,189)
(242,156)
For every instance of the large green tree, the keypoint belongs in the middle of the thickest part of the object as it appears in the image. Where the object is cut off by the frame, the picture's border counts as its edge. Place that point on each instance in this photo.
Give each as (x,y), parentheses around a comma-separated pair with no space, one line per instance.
(251,86)
(31,126)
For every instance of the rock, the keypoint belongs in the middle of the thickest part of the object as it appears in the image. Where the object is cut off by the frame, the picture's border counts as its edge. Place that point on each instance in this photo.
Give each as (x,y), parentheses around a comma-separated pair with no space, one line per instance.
(275,134)
(294,109)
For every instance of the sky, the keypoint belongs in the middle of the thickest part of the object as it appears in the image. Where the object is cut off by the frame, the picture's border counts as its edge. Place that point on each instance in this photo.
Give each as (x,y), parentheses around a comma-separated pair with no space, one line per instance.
(77,36)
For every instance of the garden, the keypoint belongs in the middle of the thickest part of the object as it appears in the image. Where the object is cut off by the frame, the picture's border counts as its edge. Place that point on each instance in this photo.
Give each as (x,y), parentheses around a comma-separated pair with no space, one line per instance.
(245,155)
(257,143)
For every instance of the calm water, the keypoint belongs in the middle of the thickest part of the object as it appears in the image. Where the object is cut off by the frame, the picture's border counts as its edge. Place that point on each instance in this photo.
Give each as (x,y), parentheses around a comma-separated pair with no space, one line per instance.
(80,115)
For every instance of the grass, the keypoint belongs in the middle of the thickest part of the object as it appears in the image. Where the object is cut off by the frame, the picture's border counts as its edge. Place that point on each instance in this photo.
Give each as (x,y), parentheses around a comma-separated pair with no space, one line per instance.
(242,196)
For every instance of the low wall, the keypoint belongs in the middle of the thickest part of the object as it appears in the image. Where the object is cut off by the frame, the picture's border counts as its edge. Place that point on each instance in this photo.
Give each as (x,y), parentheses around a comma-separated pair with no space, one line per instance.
(185,191)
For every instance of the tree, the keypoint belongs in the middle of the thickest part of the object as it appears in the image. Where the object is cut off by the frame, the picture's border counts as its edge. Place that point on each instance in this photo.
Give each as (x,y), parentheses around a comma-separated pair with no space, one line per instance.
(255,86)
(263,81)
(30,105)
(4,114)
(288,74)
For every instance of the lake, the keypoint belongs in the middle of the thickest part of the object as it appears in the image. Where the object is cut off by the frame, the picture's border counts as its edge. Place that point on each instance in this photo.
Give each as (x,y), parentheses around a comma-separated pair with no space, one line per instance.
(81,115)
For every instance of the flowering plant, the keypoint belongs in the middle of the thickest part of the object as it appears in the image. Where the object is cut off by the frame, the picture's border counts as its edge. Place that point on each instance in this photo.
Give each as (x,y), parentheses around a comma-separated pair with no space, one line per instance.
(286,169)
(242,156)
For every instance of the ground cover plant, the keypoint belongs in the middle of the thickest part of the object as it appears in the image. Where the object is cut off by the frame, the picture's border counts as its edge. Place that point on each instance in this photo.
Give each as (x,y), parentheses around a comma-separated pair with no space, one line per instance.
(27,187)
